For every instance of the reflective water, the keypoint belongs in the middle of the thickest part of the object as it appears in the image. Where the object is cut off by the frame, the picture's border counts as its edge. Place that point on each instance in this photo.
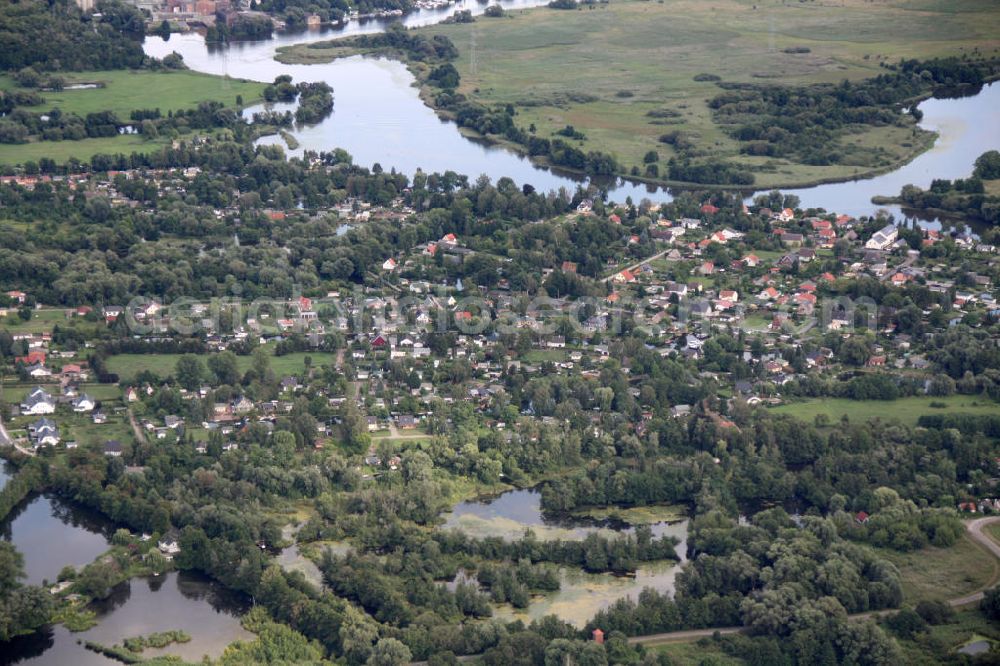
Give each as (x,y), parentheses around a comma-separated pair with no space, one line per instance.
(205,610)
(379,118)
(51,534)
(581,594)
(509,514)
(6,471)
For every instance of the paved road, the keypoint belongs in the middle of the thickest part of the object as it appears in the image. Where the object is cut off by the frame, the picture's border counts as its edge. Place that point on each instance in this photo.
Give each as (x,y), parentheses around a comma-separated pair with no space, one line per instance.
(7,440)
(975,530)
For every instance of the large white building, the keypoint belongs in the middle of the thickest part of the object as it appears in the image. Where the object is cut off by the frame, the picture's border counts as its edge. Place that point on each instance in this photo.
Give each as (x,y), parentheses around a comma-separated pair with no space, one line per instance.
(884,238)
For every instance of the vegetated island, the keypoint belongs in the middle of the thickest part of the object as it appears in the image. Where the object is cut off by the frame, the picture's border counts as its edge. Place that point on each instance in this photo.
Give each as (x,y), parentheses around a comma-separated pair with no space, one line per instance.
(732,94)
(976,198)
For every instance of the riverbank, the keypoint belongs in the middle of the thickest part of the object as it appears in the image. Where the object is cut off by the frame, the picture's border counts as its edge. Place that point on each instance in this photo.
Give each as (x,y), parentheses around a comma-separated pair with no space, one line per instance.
(576,68)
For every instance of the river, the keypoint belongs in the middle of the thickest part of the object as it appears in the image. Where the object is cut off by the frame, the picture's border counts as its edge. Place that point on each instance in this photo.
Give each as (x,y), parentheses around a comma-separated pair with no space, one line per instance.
(379,118)
(581,594)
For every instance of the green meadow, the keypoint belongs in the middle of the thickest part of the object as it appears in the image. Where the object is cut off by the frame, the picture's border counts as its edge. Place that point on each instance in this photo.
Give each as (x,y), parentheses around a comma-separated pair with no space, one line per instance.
(124,91)
(905,410)
(127,366)
(603,68)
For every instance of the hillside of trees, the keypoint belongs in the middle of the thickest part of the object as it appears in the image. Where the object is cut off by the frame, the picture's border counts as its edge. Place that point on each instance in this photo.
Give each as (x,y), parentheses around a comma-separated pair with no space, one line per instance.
(57,36)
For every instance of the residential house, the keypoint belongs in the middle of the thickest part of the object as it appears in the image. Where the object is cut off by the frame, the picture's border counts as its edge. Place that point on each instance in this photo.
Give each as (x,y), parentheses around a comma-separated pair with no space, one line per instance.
(43,432)
(884,238)
(84,403)
(169,543)
(38,402)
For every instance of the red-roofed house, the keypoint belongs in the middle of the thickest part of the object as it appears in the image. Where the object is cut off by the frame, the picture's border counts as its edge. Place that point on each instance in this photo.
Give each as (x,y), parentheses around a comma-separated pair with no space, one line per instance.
(31,358)
(624,277)
(709,209)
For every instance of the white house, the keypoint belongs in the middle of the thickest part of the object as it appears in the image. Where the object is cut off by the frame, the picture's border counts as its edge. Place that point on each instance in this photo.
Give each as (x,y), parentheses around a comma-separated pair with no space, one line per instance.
(169,544)
(83,404)
(883,238)
(38,402)
(44,432)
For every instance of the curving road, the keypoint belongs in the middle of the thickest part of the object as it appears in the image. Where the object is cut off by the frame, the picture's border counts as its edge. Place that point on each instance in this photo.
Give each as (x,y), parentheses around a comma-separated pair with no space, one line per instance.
(975,530)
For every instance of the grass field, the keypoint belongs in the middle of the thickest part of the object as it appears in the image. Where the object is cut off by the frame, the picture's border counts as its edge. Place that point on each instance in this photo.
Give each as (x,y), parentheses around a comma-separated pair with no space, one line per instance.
(127,366)
(696,654)
(124,91)
(127,90)
(938,574)
(631,57)
(964,627)
(906,410)
(61,151)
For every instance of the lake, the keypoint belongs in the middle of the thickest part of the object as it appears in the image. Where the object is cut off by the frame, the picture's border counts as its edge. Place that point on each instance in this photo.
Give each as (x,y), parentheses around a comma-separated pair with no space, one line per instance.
(379,118)
(52,533)
(208,612)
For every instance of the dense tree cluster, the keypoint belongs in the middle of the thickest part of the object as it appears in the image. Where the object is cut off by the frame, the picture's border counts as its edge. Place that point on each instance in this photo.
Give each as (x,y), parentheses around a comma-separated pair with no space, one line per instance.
(964,196)
(23,608)
(806,123)
(58,36)
(793,582)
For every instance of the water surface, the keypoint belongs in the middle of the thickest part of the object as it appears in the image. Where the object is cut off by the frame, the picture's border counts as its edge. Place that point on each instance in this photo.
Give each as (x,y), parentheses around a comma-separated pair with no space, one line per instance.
(208,612)
(581,594)
(51,533)
(379,118)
